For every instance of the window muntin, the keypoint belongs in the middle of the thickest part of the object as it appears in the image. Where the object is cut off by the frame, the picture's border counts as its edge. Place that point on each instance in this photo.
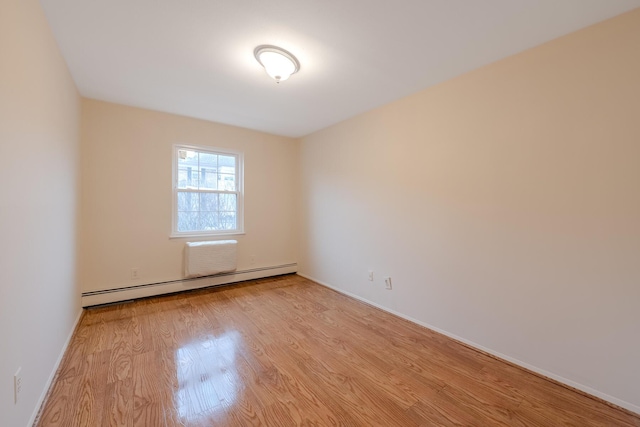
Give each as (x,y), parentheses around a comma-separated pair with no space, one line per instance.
(207,191)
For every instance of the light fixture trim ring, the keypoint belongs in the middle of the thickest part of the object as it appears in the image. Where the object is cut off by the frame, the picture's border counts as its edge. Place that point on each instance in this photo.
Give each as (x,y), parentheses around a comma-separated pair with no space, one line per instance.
(271,48)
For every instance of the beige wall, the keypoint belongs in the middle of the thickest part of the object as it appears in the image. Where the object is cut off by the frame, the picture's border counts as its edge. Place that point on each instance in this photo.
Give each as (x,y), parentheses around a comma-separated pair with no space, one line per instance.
(39,131)
(126,194)
(504,204)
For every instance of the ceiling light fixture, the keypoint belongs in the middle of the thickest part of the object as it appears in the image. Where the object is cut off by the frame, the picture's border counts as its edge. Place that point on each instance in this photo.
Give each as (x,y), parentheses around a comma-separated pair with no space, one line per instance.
(278,63)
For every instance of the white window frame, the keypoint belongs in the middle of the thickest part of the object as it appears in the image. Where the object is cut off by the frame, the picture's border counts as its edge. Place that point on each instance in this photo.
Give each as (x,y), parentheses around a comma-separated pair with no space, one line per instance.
(239,191)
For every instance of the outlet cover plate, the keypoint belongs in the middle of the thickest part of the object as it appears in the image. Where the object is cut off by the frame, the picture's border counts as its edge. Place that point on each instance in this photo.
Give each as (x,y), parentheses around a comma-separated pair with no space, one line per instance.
(17,385)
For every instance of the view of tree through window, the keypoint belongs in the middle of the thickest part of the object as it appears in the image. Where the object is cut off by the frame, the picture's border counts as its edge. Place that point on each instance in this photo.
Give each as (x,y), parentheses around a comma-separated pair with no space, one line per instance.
(207,190)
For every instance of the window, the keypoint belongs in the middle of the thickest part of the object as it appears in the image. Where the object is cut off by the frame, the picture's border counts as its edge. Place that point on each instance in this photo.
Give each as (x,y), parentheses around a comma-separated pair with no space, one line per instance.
(207,191)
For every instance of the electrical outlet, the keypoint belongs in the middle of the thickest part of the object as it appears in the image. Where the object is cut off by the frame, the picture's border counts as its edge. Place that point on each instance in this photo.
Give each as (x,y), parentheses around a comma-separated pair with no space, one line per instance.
(371,275)
(387,282)
(17,385)
(253,259)
(134,274)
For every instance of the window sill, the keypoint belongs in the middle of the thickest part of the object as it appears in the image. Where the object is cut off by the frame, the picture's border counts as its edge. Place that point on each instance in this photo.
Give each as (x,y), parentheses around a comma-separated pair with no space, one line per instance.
(216,235)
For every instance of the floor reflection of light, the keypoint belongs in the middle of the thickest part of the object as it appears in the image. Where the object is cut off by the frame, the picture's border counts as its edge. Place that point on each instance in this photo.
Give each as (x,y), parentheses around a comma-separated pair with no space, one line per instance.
(207,376)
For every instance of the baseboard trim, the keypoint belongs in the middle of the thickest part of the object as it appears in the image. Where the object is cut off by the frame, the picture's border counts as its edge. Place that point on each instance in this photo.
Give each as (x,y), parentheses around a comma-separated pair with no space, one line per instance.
(585,390)
(125,293)
(47,387)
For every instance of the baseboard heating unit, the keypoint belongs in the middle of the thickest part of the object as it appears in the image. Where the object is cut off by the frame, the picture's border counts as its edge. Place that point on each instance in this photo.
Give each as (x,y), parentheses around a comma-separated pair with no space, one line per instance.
(124,293)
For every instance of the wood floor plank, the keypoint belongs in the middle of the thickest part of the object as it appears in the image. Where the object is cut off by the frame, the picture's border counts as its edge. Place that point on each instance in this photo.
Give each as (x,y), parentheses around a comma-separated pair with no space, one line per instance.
(118,411)
(164,336)
(121,351)
(71,364)
(286,351)
(61,404)
(90,391)
(141,334)
(154,390)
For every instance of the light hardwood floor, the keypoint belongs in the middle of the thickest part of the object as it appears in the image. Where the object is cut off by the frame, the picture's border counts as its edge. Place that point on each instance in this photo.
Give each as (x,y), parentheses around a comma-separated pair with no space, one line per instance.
(287,351)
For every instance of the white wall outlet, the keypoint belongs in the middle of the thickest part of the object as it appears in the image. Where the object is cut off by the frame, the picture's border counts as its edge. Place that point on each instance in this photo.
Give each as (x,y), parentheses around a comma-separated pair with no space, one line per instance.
(371,275)
(253,259)
(135,274)
(17,385)
(387,282)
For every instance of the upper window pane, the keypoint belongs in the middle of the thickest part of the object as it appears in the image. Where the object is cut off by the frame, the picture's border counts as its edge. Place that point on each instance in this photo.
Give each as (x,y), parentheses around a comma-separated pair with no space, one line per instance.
(208,178)
(226,182)
(228,163)
(208,160)
(188,177)
(187,157)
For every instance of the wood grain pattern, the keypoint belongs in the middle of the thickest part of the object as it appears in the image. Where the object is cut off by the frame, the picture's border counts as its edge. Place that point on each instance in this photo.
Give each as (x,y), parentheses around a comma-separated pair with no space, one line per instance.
(286,351)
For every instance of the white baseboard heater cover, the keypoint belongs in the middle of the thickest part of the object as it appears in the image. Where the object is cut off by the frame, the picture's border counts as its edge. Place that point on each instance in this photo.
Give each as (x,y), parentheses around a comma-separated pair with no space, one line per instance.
(124,293)
(209,258)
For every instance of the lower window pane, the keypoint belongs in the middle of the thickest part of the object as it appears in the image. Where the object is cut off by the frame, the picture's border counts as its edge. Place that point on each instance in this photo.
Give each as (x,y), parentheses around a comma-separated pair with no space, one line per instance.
(209,221)
(208,202)
(228,202)
(188,201)
(187,221)
(228,220)
(206,212)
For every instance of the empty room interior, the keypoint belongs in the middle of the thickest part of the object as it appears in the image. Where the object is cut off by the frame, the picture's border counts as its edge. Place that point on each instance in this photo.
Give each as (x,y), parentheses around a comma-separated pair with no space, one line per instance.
(409,213)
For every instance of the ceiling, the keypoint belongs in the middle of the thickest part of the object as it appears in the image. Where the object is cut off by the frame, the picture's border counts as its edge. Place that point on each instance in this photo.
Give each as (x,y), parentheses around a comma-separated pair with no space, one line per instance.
(195,57)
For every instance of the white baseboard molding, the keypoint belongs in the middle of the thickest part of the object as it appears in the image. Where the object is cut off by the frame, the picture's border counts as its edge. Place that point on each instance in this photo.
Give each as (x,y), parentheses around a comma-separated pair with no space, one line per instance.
(126,293)
(585,389)
(45,389)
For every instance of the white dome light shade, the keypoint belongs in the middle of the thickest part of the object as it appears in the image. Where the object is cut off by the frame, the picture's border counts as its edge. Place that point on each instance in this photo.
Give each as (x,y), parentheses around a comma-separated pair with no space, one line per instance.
(278,63)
